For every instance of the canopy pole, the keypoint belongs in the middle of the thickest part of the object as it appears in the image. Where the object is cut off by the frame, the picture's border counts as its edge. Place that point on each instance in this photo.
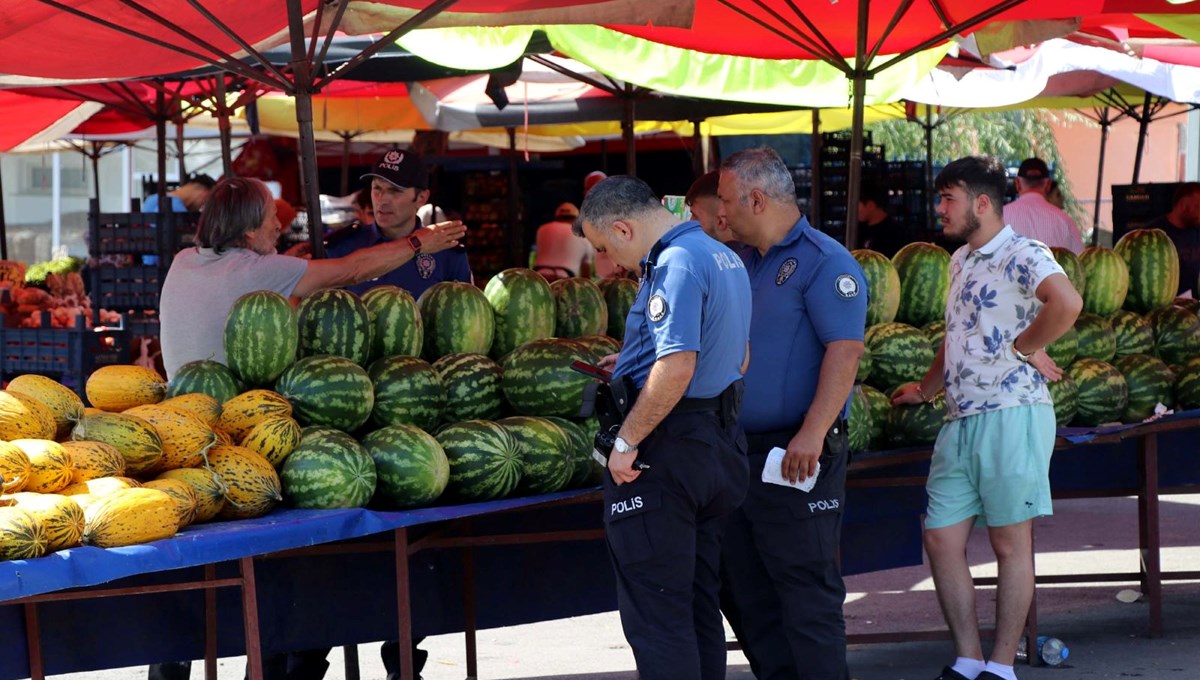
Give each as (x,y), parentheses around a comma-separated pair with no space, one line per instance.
(1143,128)
(854,177)
(1105,124)
(814,201)
(697,151)
(95,156)
(302,75)
(346,136)
(223,125)
(627,133)
(3,224)
(160,130)
(516,235)
(179,147)
(928,167)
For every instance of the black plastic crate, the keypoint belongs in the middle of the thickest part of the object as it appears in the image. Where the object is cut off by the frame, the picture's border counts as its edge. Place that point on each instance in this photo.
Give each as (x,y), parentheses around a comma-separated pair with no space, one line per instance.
(135,233)
(66,354)
(124,288)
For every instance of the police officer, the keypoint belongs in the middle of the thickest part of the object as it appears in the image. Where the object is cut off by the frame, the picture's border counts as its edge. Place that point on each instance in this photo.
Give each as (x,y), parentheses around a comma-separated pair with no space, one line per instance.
(782,589)
(685,347)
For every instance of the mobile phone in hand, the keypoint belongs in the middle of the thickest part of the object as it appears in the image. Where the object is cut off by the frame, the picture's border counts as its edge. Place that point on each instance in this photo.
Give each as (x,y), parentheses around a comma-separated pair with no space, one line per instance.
(591,370)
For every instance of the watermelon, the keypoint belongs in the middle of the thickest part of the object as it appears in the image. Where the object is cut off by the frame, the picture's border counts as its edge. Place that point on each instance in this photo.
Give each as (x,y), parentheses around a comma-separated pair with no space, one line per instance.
(261,337)
(916,424)
(1064,394)
(1064,350)
(411,467)
(865,363)
(619,294)
(1176,334)
(328,473)
(579,308)
(1102,391)
(1095,338)
(880,407)
(328,390)
(1187,384)
(206,377)
(1153,264)
(1071,266)
(457,318)
(1134,334)
(312,432)
(408,391)
(485,460)
(883,285)
(859,426)
(334,321)
(524,308)
(1190,304)
(537,378)
(936,332)
(546,463)
(1150,383)
(599,346)
(899,354)
(584,469)
(924,271)
(1105,280)
(472,384)
(396,327)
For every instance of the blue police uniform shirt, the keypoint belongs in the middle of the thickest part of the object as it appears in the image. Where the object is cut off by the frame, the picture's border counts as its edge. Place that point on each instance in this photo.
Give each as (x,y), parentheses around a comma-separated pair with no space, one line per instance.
(695,298)
(416,275)
(808,291)
(151,204)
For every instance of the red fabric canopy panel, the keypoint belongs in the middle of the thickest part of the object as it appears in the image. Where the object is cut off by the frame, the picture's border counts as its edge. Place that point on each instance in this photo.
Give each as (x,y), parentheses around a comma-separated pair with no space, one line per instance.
(26,116)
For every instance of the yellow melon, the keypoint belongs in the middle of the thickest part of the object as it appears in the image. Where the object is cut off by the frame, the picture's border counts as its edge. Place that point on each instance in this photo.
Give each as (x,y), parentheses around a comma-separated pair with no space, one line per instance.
(61,515)
(50,464)
(22,536)
(210,493)
(92,460)
(182,493)
(24,417)
(252,487)
(185,438)
(62,401)
(15,468)
(116,388)
(201,405)
(130,517)
(240,414)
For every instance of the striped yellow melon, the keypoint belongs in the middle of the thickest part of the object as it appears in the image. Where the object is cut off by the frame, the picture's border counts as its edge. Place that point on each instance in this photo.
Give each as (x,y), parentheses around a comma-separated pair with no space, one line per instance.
(24,417)
(136,439)
(274,439)
(62,401)
(251,484)
(61,515)
(101,486)
(210,494)
(14,468)
(22,536)
(92,460)
(116,388)
(199,404)
(182,493)
(50,464)
(240,414)
(130,517)
(223,437)
(85,500)
(185,438)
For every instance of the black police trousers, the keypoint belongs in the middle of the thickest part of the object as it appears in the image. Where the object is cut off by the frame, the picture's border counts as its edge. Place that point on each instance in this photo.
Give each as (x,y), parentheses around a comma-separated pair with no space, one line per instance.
(782,589)
(664,538)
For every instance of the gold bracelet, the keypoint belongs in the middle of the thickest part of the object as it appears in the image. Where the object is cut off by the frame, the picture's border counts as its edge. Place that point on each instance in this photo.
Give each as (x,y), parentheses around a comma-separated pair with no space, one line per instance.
(921,393)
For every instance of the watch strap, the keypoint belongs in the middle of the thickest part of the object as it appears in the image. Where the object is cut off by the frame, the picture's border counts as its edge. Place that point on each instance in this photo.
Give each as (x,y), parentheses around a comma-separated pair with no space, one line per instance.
(415,242)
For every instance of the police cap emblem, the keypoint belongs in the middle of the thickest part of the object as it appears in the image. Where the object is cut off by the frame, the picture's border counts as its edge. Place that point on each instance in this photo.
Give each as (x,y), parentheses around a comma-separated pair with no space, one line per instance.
(657,308)
(786,270)
(847,286)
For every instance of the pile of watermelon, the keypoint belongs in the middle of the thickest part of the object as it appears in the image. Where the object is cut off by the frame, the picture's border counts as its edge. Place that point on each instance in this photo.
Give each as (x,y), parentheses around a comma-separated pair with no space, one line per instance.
(461,395)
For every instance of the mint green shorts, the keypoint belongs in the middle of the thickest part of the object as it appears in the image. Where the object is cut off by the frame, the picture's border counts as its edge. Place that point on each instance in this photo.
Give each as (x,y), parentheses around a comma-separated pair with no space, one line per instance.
(993,466)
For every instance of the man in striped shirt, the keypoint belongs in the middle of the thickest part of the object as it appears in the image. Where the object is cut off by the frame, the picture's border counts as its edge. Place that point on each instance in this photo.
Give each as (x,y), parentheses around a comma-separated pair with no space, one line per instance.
(1031,215)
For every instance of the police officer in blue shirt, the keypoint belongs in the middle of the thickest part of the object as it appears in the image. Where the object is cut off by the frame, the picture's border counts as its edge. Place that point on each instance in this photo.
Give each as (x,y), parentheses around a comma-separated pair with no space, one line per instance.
(678,467)
(399,187)
(783,591)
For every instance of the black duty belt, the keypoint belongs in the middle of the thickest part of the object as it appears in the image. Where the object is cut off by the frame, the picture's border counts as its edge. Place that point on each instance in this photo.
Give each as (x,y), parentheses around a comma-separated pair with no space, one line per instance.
(763,441)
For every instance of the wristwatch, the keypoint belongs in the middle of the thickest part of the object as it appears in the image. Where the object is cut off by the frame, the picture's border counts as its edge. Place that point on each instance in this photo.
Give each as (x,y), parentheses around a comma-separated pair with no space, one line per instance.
(622,446)
(415,242)
(1017,353)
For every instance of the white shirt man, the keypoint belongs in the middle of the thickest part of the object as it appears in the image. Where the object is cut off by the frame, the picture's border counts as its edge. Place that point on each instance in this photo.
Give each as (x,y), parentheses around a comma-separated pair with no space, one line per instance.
(560,253)
(1031,215)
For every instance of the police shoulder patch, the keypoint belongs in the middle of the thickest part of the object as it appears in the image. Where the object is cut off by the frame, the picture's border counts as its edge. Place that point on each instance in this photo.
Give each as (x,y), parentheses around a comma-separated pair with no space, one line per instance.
(425,265)
(846,285)
(657,307)
(786,270)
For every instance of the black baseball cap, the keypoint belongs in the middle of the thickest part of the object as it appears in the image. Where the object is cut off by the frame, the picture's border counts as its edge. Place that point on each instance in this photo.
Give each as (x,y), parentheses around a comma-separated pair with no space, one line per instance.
(403,169)
(1033,168)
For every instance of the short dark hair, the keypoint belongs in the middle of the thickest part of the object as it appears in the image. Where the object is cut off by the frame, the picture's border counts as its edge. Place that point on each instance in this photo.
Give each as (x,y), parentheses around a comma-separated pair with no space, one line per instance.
(362,198)
(978,176)
(705,186)
(875,193)
(616,198)
(201,179)
(235,206)
(1183,191)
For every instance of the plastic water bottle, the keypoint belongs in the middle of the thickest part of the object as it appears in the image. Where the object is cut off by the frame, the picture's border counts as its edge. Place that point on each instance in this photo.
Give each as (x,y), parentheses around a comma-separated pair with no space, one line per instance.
(1051,650)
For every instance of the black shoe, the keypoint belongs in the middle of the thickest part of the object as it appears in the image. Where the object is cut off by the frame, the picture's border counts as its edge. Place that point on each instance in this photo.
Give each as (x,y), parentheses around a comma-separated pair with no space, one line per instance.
(949,673)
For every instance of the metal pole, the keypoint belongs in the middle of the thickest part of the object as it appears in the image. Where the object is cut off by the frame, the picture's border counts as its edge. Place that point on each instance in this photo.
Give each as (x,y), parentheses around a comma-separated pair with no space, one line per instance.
(697,151)
(859,78)
(302,73)
(179,147)
(928,167)
(814,205)
(160,130)
(346,136)
(1143,126)
(516,235)
(95,156)
(627,116)
(3,223)
(1105,124)
(223,113)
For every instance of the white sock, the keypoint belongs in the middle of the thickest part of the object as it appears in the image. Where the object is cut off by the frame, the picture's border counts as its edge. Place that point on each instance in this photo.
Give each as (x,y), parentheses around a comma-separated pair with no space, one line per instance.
(968,668)
(1005,672)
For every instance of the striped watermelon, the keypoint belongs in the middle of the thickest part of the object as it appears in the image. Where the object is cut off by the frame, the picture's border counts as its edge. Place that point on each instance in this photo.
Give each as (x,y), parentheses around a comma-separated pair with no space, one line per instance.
(546,464)
(206,377)
(396,327)
(261,337)
(334,321)
(1103,393)
(1187,384)
(408,391)
(1153,264)
(524,308)
(859,426)
(1176,334)
(1070,264)
(936,332)
(599,346)
(1095,338)
(883,285)
(1064,394)
(916,424)
(880,407)
(537,378)
(899,354)
(472,384)
(1150,383)
(579,308)
(328,473)
(458,318)
(1105,280)
(485,460)
(865,364)
(1190,304)
(1065,349)
(924,271)
(619,294)
(1135,335)
(411,467)
(314,432)
(584,469)
(328,390)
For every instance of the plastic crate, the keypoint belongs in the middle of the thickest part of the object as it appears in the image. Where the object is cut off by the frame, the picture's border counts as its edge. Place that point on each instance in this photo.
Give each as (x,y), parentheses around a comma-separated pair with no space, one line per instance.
(66,354)
(135,233)
(124,288)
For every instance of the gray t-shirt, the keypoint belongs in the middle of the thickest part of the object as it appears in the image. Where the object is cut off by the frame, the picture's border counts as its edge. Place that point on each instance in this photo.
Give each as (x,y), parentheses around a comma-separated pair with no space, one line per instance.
(200,289)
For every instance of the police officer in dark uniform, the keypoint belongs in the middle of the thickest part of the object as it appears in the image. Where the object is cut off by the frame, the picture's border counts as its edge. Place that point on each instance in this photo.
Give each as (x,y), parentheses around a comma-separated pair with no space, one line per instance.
(677,468)
(782,588)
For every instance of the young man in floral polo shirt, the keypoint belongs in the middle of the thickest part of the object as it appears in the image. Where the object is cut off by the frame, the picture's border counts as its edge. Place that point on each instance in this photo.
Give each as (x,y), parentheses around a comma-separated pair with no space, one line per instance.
(1008,300)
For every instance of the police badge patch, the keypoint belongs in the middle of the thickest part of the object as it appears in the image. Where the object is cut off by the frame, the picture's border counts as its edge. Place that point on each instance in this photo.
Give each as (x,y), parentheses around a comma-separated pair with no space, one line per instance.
(425,265)
(785,271)
(657,308)
(847,286)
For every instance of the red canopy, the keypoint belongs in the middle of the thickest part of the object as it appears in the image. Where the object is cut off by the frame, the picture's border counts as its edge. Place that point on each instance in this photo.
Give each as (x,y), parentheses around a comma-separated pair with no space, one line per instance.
(26,117)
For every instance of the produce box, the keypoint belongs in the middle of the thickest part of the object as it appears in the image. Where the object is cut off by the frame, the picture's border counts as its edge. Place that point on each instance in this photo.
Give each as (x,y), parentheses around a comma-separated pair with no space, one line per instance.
(135,233)
(66,354)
